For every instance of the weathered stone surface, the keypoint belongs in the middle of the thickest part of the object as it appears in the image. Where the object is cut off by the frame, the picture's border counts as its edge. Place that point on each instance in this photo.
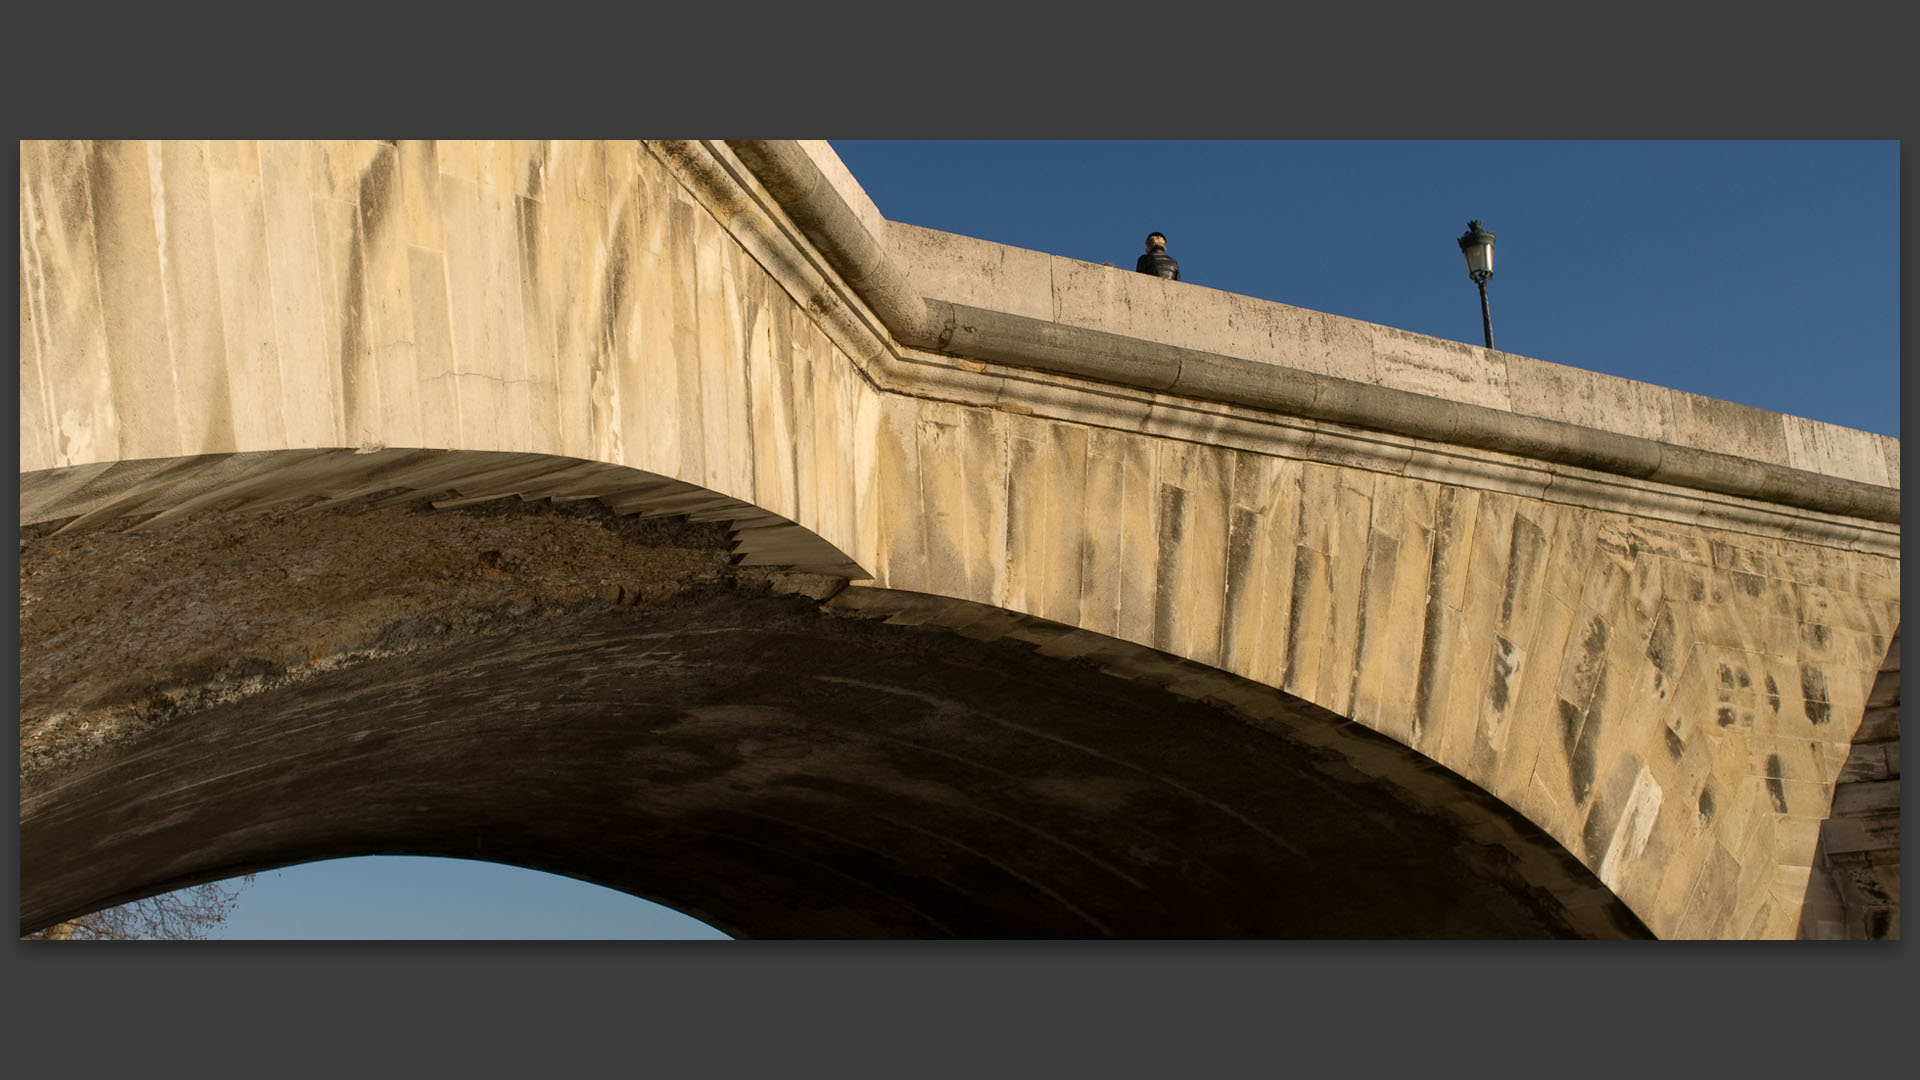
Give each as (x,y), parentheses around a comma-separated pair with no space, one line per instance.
(1856,872)
(612,699)
(1667,676)
(1115,300)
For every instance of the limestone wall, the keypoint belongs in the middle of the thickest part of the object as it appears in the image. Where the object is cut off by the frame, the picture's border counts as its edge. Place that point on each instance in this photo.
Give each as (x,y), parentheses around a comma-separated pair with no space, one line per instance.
(1672,703)
(1667,680)
(558,298)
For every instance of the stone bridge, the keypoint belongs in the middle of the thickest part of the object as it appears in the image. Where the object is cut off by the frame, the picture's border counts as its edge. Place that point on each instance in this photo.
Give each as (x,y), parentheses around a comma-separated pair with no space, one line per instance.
(659,514)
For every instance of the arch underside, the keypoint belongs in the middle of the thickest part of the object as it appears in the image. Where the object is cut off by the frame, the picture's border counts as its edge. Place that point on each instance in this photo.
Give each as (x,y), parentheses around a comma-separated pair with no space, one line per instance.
(562,688)
(1664,679)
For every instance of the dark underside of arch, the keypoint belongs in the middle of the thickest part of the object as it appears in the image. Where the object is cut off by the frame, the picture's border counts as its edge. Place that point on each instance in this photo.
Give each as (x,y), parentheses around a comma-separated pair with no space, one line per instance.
(730,750)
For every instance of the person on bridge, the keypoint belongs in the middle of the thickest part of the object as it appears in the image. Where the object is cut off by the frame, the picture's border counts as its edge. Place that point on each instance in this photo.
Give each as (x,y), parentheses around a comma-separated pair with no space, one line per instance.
(1156,261)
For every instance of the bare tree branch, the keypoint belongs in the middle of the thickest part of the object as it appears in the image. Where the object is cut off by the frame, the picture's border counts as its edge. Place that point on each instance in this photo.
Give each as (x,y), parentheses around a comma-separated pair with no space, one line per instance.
(189,914)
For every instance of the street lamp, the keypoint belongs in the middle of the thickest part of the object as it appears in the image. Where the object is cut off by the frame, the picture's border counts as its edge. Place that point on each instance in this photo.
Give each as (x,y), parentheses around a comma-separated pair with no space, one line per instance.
(1477,246)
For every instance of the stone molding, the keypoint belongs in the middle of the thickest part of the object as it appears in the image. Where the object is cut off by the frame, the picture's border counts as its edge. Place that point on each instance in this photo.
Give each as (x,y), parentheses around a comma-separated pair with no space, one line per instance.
(820,211)
(1284,434)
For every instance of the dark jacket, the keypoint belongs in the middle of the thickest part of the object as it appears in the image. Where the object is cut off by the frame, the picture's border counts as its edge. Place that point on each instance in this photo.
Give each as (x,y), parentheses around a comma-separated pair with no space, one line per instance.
(1159,264)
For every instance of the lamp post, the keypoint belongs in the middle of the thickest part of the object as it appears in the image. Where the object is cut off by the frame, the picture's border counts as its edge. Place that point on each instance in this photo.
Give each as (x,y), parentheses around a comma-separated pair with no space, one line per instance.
(1477,246)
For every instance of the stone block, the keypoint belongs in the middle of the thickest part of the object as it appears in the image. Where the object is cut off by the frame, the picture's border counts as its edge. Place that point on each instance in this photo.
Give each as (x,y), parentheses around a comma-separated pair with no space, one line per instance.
(835,386)
(189,271)
(234,155)
(1385,605)
(768,352)
(1739,798)
(668,356)
(1867,795)
(1632,825)
(1404,512)
(1470,697)
(813,356)
(943,501)
(1195,489)
(1046,471)
(1448,370)
(1249,566)
(247,316)
(1351,512)
(1536,739)
(1139,515)
(1684,858)
(1259,330)
(1712,899)
(593,300)
(1325,344)
(1273,495)
(1795,841)
(1103,569)
(376,319)
(59,270)
(1832,450)
(1111,300)
(977,273)
(309,376)
(36,425)
(344,313)
(432,354)
(132,307)
(536,257)
(1867,832)
(1548,807)
(418,191)
(497,168)
(722,416)
(336,168)
(1588,398)
(1217,322)
(1861,762)
(868,407)
(1727,428)
(901,560)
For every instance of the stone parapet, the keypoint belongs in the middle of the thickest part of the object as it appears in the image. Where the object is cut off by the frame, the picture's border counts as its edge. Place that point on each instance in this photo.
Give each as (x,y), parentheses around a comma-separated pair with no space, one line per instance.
(1013,306)
(1290,343)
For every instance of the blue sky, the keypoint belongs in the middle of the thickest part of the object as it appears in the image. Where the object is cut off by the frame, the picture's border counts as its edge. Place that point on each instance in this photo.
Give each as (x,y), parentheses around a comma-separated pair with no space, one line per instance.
(1760,272)
(402,897)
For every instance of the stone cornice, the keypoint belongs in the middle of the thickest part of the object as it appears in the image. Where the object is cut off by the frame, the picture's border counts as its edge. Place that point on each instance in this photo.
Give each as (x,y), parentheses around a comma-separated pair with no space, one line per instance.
(1195,419)
(788,176)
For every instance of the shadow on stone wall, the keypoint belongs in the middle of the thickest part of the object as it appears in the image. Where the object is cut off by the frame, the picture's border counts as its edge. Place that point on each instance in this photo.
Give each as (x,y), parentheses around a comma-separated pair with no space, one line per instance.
(615,699)
(1854,891)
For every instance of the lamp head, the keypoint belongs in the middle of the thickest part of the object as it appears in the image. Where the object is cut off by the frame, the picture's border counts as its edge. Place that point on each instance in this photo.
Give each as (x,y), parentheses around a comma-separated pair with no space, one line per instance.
(1477,246)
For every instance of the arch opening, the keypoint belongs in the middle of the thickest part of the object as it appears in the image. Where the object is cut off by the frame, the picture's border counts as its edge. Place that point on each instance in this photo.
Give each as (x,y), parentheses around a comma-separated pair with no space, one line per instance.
(711,738)
(386,897)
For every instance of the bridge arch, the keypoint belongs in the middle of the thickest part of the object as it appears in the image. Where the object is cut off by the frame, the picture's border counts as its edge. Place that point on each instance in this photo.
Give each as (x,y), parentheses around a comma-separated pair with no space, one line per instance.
(1648,620)
(615,698)
(1648,690)
(1652,634)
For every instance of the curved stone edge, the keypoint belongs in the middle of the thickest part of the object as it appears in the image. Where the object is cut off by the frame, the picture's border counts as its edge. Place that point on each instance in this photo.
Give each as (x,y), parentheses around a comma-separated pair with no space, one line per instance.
(1536,858)
(166,489)
(820,210)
